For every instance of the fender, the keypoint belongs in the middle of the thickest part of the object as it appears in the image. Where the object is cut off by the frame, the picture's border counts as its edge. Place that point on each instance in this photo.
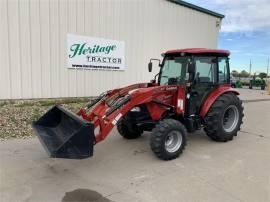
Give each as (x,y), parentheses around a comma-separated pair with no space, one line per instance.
(211,98)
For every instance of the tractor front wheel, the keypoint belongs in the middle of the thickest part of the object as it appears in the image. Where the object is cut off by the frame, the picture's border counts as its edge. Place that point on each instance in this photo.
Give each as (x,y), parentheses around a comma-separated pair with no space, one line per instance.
(224,118)
(128,130)
(168,139)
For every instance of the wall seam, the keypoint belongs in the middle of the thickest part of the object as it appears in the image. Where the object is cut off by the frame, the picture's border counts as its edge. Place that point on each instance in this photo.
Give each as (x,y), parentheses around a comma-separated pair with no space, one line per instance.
(30,42)
(76,70)
(40,44)
(59,49)
(9,54)
(84,83)
(50,58)
(20,50)
(68,4)
(9,59)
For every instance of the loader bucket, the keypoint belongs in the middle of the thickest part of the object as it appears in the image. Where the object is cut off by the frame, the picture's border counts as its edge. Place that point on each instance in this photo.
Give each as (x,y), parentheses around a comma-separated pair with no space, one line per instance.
(63,134)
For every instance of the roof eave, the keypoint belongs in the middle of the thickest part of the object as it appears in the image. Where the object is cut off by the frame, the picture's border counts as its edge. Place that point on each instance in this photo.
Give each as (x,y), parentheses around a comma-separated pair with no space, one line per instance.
(197,8)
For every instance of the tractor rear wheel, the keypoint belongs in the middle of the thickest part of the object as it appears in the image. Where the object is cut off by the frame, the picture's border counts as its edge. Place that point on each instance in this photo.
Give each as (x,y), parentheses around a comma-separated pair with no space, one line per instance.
(224,118)
(128,130)
(168,139)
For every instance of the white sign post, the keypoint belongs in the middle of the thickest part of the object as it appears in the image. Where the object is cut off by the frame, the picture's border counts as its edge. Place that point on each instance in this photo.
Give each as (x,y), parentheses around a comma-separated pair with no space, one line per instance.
(95,53)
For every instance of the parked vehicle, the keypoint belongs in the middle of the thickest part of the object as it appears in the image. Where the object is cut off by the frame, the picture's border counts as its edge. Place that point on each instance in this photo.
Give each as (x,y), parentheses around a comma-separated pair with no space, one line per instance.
(233,81)
(257,82)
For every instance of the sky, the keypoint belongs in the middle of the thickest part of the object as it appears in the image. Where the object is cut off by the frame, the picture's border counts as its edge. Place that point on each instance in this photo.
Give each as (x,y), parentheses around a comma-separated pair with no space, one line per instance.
(245,31)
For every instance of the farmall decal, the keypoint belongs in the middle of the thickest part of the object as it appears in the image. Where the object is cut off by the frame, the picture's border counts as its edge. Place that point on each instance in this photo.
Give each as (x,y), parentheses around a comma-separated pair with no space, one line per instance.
(95,53)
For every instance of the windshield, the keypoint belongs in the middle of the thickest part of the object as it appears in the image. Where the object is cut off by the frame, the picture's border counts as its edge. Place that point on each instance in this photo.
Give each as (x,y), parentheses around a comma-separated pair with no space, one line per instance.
(173,70)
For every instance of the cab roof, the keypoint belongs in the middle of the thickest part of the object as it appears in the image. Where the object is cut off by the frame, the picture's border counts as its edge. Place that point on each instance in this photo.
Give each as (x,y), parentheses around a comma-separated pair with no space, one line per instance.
(199,51)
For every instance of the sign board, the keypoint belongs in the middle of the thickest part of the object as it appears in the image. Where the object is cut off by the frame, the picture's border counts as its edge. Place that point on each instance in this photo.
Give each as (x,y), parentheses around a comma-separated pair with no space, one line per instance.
(95,53)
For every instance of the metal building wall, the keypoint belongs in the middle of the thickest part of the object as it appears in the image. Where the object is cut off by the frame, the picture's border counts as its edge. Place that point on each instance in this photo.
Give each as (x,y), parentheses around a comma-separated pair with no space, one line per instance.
(33,42)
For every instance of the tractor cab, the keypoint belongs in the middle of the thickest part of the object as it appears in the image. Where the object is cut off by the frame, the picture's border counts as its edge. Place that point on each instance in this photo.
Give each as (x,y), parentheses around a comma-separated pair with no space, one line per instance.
(200,70)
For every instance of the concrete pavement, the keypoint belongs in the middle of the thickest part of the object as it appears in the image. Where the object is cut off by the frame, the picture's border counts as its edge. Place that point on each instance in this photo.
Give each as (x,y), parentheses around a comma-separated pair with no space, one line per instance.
(127,170)
(249,95)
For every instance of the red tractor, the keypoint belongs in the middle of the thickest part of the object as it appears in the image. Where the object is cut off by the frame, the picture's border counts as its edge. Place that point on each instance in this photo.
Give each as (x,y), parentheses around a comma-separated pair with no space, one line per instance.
(191,91)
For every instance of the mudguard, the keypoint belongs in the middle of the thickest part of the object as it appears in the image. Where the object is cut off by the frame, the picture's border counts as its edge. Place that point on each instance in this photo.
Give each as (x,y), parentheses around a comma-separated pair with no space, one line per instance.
(211,98)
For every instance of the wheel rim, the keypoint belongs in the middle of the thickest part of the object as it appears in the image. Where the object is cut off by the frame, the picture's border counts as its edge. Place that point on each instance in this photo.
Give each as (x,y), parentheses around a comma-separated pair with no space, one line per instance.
(173,141)
(230,118)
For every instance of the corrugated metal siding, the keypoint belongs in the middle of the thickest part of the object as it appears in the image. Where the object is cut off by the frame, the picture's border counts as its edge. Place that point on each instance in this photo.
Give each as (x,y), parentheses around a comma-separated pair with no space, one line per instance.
(33,42)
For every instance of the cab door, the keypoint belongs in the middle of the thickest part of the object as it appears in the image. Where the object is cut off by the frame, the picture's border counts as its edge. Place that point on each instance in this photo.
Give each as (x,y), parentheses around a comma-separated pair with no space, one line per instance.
(205,80)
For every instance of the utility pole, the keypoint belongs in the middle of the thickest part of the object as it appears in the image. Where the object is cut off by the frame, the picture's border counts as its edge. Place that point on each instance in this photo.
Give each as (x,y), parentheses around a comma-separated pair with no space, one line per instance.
(250,65)
(267,68)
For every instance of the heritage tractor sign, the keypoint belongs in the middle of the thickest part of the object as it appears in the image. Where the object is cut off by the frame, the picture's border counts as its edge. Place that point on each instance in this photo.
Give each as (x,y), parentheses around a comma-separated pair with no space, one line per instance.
(95,53)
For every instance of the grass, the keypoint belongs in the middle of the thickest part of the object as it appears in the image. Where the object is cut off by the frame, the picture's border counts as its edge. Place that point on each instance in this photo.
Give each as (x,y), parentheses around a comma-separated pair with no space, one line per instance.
(43,102)
(16,117)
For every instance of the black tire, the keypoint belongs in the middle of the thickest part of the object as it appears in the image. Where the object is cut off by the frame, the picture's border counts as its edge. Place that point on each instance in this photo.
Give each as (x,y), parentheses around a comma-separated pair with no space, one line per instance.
(263,87)
(214,120)
(128,130)
(250,86)
(160,134)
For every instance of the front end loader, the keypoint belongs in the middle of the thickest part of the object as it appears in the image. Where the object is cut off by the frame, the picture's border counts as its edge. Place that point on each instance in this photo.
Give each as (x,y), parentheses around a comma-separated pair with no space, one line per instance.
(191,91)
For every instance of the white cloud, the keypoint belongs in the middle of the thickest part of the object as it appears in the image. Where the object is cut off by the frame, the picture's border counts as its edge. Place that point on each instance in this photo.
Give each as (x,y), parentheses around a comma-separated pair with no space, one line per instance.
(240,15)
(244,15)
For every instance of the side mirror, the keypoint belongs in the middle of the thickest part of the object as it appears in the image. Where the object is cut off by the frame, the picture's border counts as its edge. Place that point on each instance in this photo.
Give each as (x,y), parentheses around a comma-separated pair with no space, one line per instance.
(150,64)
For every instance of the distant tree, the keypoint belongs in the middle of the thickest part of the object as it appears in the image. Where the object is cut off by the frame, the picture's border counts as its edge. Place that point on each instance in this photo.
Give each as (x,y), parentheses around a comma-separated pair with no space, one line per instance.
(262,75)
(235,73)
(244,74)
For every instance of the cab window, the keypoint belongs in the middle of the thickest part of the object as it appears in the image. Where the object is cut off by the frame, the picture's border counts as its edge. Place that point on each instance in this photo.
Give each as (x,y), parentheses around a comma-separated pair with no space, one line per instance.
(205,69)
(223,73)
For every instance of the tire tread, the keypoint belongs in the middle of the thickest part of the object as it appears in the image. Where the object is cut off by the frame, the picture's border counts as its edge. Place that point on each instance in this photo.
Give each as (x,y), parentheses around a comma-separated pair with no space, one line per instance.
(212,118)
(156,140)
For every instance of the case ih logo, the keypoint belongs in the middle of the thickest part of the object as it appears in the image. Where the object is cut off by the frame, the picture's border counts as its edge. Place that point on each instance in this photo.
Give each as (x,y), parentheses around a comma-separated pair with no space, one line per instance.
(95,53)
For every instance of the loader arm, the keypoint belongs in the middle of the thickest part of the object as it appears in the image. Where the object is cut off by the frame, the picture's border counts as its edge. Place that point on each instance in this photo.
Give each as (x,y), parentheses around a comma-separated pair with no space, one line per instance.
(105,114)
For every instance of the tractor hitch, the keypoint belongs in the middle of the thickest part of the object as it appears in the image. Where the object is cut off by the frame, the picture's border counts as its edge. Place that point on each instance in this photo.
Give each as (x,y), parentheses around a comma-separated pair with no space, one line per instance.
(63,134)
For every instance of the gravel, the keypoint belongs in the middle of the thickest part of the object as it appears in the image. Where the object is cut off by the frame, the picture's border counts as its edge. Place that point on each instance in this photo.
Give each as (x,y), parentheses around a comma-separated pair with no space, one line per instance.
(16,117)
